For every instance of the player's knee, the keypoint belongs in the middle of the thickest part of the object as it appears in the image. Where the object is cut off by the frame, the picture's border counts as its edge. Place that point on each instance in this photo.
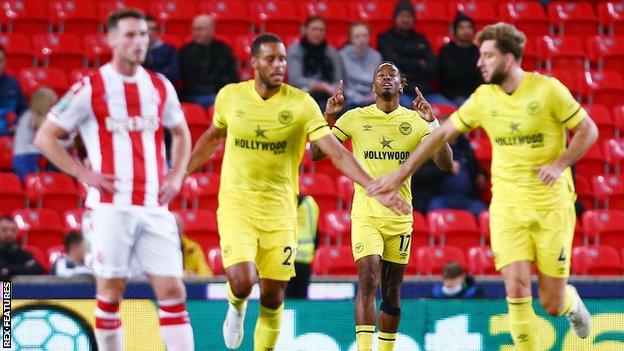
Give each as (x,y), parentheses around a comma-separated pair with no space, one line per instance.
(272,299)
(241,285)
(368,286)
(170,292)
(112,291)
(518,288)
(392,294)
(390,308)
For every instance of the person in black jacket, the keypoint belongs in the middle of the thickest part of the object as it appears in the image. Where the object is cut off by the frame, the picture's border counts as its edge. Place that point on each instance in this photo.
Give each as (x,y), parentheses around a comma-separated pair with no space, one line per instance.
(459,75)
(14,260)
(206,64)
(456,284)
(411,52)
(161,57)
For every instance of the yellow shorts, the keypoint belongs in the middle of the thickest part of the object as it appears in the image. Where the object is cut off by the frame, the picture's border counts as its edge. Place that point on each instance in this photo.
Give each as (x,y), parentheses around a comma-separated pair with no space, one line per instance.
(388,238)
(543,236)
(270,244)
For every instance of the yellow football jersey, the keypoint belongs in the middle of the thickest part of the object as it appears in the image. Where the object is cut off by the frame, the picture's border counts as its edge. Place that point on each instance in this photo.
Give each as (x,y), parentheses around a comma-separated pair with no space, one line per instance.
(381,143)
(264,147)
(526,130)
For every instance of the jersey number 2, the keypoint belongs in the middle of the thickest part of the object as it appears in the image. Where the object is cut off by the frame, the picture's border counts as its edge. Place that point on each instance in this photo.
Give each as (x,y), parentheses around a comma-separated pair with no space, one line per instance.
(287,261)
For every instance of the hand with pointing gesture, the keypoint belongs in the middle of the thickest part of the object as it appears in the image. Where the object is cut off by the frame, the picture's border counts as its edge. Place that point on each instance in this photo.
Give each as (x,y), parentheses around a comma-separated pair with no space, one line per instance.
(420,105)
(336,102)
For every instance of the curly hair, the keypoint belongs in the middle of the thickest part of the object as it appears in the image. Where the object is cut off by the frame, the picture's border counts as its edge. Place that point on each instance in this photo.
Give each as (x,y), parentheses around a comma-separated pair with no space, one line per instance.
(507,37)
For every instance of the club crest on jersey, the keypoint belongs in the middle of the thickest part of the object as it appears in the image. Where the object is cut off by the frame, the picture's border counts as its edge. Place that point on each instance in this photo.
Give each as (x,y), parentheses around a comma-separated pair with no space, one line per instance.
(405,128)
(285,117)
(132,124)
(367,127)
(533,108)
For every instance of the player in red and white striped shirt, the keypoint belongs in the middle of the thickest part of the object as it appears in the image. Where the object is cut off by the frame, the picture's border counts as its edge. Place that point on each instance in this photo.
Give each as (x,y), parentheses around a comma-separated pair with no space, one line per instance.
(121,112)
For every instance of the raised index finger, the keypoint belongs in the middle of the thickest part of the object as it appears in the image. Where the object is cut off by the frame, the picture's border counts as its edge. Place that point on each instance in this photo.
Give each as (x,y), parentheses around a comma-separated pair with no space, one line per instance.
(340,86)
(418,93)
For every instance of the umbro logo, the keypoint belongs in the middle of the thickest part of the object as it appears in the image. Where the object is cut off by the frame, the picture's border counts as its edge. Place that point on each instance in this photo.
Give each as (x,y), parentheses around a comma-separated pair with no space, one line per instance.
(367,127)
(523,338)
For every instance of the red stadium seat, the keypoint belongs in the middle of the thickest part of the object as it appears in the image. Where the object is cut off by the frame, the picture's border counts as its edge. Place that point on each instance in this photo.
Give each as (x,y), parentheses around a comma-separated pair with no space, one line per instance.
(337,14)
(34,78)
(173,40)
(54,253)
(345,190)
(196,118)
(576,18)
(592,163)
(321,188)
(174,15)
(96,49)
(203,191)
(564,52)
(201,226)
(12,196)
(596,260)
(611,16)
(281,17)
(73,219)
(443,110)
(603,119)
(18,50)
(527,16)
(618,118)
(59,50)
(334,260)
(6,153)
(27,17)
(78,74)
(431,259)
(483,152)
(482,12)
(75,16)
(609,190)
(233,17)
(606,52)
(107,6)
(377,13)
(215,261)
(574,80)
(484,224)
(454,227)
(614,154)
(52,190)
(39,227)
(481,260)
(531,59)
(335,227)
(242,48)
(605,227)
(605,87)
(584,191)
(432,18)
(38,255)
(438,42)
(421,235)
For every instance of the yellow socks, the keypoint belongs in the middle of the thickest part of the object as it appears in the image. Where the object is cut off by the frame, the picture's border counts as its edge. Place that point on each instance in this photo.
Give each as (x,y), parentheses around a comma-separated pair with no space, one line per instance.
(267,328)
(571,299)
(523,323)
(237,302)
(364,337)
(386,341)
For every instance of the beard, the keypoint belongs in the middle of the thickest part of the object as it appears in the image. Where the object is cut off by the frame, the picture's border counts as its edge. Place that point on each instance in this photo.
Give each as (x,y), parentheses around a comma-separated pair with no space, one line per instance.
(267,81)
(498,76)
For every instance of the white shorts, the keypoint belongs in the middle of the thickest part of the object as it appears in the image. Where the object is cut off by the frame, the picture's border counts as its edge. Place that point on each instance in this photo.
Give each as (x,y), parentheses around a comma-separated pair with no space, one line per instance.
(120,239)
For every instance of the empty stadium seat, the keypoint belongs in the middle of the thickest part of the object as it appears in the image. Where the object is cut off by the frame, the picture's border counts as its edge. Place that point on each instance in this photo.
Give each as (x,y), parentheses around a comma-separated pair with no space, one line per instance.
(326,167)
(78,74)
(602,117)
(611,16)
(562,52)
(527,16)
(614,154)
(39,227)
(6,153)
(52,190)
(482,12)
(337,14)
(606,52)
(242,48)
(62,51)
(443,110)
(281,17)
(105,7)
(12,196)
(605,227)
(203,191)
(421,235)
(484,224)
(483,152)
(605,87)
(584,191)
(481,260)
(215,261)
(18,51)
(38,255)
(196,118)
(345,190)
(609,190)
(430,260)
(454,227)
(531,58)
(335,227)
(376,13)
(596,260)
(27,17)
(321,187)
(75,16)
(96,49)
(433,19)
(201,226)
(577,18)
(174,15)
(72,219)
(617,112)
(233,17)
(592,163)
(334,260)
(574,80)
(33,78)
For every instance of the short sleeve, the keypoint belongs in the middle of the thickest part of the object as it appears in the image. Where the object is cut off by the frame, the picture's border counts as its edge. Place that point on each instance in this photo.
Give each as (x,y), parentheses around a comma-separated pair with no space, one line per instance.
(172,112)
(564,107)
(73,108)
(218,116)
(467,116)
(425,131)
(342,127)
(316,126)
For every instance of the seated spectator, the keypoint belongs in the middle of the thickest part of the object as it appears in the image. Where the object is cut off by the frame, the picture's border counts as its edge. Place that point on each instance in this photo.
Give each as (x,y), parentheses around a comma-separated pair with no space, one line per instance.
(459,188)
(12,100)
(72,262)
(13,259)
(206,64)
(411,52)
(313,64)
(361,60)
(307,223)
(161,57)
(195,263)
(459,75)
(456,284)
(25,154)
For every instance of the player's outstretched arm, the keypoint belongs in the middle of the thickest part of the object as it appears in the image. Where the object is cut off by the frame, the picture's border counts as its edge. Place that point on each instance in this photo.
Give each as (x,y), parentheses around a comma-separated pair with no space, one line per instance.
(391,182)
(180,153)
(334,105)
(585,135)
(206,146)
(444,157)
(47,141)
(349,166)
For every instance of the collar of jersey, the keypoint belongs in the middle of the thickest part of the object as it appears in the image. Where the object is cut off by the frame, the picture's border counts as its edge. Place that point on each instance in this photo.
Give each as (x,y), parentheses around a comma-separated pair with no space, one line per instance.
(519,89)
(252,86)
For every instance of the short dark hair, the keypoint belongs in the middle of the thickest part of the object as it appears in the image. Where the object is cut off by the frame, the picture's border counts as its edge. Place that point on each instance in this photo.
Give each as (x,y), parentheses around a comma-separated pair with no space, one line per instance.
(117,15)
(150,18)
(508,39)
(383,63)
(452,270)
(314,19)
(71,239)
(459,18)
(403,5)
(263,39)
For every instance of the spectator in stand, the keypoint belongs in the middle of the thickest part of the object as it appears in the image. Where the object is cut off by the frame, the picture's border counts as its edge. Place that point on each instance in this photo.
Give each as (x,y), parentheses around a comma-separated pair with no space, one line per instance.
(361,60)
(459,75)
(411,52)
(161,57)
(13,259)
(195,263)
(313,64)
(12,100)
(456,284)
(206,64)
(26,156)
(72,262)
(459,188)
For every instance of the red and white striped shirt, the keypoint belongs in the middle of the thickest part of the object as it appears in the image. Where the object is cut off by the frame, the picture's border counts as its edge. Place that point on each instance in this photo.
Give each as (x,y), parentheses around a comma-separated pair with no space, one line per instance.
(121,119)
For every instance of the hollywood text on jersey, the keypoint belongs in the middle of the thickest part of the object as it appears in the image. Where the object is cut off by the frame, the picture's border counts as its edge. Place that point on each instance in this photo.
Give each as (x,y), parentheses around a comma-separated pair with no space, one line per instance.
(535,140)
(400,156)
(277,147)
